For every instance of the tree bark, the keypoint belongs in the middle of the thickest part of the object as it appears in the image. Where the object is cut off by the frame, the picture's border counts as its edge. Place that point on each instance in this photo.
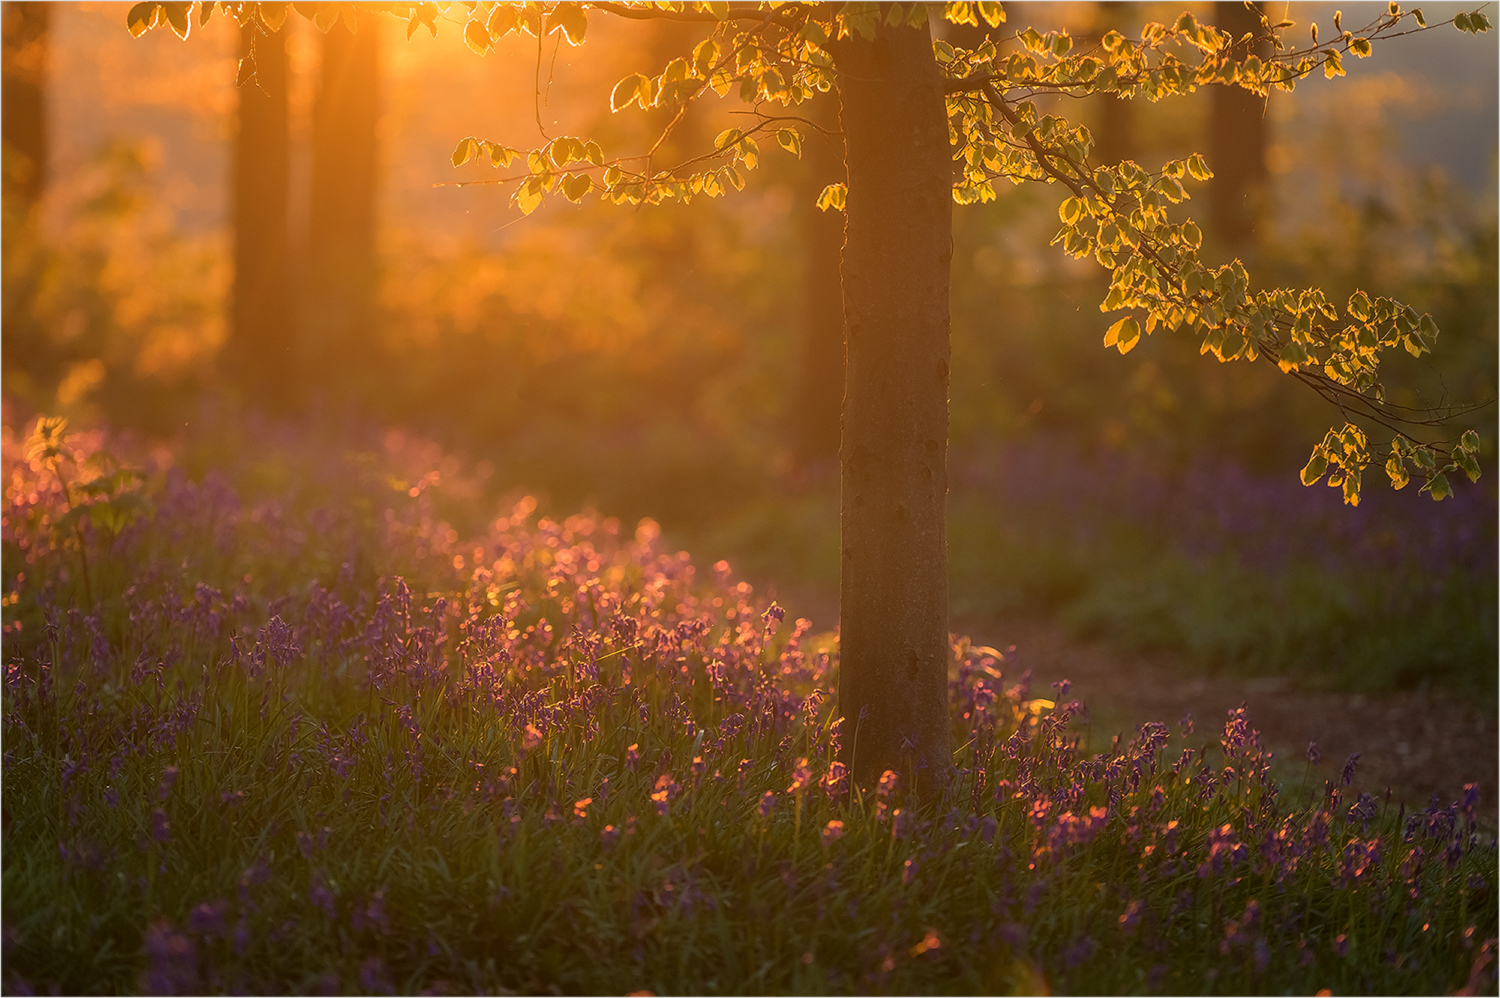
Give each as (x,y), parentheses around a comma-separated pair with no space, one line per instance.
(1237,139)
(23,119)
(897,252)
(261,353)
(340,307)
(819,394)
(1116,139)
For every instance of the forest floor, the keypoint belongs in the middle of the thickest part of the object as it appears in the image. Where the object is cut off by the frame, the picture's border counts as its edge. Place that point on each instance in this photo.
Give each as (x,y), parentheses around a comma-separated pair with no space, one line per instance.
(1416,743)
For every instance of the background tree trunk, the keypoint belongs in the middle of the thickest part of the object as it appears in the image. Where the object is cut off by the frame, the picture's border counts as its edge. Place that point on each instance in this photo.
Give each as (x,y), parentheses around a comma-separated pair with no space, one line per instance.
(897,255)
(23,119)
(339,304)
(820,394)
(261,353)
(1115,141)
(1237,139)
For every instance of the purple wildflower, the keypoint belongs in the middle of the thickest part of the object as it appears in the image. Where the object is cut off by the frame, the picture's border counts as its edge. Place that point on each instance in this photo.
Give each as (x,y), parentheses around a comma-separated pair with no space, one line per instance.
(1132,916)
(207,919)
(321,896)
(1348,774)
(172,963)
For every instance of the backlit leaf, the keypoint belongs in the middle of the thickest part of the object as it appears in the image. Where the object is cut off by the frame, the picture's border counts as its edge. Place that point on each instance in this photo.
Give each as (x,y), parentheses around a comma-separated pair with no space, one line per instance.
(992,12)
(569,17)
(628,90)
(833,196)
(1395,469)
(142,18)
(503,20)
(467,149)
(179,16)
(273,15)
(790,140)
(575,186)
(1315,467)
(477,38)
(529,196)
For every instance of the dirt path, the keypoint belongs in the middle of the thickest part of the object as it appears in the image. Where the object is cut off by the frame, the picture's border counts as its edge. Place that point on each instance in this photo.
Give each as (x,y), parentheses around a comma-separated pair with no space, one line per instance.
(1415,744)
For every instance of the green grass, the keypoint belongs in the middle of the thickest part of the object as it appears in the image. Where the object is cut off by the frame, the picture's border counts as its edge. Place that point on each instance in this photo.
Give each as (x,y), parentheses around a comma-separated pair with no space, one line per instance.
(557,757)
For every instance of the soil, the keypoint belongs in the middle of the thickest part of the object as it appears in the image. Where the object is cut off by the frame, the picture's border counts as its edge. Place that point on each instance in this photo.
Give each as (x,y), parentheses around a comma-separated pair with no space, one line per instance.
(1415,743)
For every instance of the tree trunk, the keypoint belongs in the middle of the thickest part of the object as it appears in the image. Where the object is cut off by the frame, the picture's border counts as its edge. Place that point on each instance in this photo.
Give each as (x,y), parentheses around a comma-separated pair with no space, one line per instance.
(23,120)
(897,251)
(261,353)
(820,396)
(340,305)
(1237,139)
(1116,139)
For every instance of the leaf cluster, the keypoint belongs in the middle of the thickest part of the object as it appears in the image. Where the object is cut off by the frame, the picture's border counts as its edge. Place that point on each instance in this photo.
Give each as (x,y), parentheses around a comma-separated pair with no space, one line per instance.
(784,53)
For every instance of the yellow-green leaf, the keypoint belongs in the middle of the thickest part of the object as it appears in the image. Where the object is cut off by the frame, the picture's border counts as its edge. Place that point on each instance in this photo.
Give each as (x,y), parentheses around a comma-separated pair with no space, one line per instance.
(571,19)
(1437,486)
(273,15)
(1395,468)
(467,149)
(500,155)
(142,18)
(834,196)
(790,140)
(575,186)
(1315,467)
(179,16)
(628,90)
(705,55)
(477,38)
(728,137)
(503,20)
(1123,334)
(529,196)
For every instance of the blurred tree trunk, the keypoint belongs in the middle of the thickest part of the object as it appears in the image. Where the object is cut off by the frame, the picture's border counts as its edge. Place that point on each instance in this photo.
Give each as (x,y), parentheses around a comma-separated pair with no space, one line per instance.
(898,250)
(339,304)
(262,350)
(820,394)
(1237,138)
(1115,142)
(23,119)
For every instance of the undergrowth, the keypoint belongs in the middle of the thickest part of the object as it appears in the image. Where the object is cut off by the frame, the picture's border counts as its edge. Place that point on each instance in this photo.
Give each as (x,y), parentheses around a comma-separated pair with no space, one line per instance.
(303,735)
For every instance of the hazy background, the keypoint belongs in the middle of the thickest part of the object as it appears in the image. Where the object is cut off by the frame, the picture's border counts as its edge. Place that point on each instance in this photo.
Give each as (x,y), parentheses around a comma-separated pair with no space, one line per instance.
(654,361)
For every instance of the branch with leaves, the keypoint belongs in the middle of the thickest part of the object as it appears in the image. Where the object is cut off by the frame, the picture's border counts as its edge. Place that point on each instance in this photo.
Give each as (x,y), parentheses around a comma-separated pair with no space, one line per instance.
(1121,215)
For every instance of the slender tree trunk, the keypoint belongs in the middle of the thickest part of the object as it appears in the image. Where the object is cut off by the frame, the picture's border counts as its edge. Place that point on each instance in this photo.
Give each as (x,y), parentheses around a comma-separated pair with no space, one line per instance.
(1116,139)
(897,253)
(340,307)
(820,394)
(23,119)
(1237,139)
(261,352)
